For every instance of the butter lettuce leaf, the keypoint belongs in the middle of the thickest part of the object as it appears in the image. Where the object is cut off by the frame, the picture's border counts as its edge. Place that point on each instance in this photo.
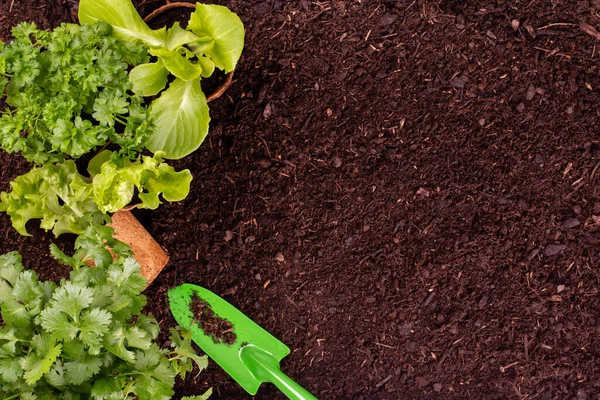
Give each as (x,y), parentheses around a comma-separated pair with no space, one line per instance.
(125,20)
(177,36)
(149,79)
(181,119)
(178,63)
(221,34)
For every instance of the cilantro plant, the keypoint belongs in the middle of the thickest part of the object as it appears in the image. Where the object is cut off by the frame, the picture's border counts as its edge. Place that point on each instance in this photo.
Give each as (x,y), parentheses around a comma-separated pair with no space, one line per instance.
(213,38)
(85,337)
(67,93)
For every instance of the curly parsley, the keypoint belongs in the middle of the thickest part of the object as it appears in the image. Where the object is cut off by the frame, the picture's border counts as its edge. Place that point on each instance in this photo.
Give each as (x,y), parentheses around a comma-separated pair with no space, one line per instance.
(67,92)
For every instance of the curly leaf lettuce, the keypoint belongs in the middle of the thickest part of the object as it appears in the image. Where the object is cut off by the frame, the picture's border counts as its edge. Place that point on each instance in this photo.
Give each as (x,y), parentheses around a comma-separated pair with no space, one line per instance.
(114,187)
(56,194)
(67,201)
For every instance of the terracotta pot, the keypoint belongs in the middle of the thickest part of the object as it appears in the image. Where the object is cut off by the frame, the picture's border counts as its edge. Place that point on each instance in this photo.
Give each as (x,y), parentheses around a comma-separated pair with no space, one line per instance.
(146,250)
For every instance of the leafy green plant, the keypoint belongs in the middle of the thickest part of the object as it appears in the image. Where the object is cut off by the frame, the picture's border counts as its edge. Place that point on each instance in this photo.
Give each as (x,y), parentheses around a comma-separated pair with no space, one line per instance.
(68,92)
(67,201)
(85,337)
(213,38)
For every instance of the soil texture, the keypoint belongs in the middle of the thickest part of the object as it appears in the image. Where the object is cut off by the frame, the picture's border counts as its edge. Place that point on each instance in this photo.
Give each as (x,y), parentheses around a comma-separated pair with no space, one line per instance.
(219,329)
(406,193)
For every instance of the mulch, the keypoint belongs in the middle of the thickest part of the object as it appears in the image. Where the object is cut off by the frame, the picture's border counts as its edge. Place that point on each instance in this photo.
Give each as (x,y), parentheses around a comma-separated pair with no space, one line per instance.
(406,193)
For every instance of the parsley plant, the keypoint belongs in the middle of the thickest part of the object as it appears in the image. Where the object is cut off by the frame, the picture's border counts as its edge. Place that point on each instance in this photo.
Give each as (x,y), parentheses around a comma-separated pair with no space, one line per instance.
(68,93)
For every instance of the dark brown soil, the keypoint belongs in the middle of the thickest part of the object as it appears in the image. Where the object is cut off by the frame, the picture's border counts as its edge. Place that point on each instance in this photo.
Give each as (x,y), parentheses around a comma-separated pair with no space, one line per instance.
(219,329)
(404,192)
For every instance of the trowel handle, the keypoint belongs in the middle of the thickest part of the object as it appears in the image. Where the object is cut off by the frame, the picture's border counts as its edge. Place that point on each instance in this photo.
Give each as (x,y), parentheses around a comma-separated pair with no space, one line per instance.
(288,387)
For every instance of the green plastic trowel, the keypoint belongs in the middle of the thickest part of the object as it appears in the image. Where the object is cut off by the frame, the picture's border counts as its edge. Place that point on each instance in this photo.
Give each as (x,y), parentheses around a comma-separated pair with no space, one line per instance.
(247,352)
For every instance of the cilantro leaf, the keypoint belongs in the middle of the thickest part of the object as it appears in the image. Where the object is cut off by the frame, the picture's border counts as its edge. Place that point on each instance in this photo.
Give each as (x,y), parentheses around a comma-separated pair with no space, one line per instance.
(39,361)
(204,396)
(94,325)
(107,388)
(71,298)
(81,370)
(58,324)
(181,341)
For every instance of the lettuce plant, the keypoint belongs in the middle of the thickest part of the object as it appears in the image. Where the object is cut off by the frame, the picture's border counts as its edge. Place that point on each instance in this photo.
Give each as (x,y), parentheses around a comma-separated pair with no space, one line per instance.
(85,337)
(67,201)
(213,38)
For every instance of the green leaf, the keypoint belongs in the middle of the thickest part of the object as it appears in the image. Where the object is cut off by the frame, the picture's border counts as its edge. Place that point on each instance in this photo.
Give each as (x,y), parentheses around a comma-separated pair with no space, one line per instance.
(62,258)
(178,64)
(181,341)
(109,104)
(157,377)
(106,388)
(71,299)
(3,82)
(9,340)
(10,268)
(138,338)
(56,376)
(208,66)
(204,396)
(16,314)
(82,370)
(73,349)
(94,325)
(58,324)
(125,20)
(181,118)
(114,186)
(149,324)
(177,36)
(221,33)
(115,343)
(36,366)
(10,370)
(94,251)
(149,79)
(127,274)
(174,186)
(27,291)
(95,164)
(57,194)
